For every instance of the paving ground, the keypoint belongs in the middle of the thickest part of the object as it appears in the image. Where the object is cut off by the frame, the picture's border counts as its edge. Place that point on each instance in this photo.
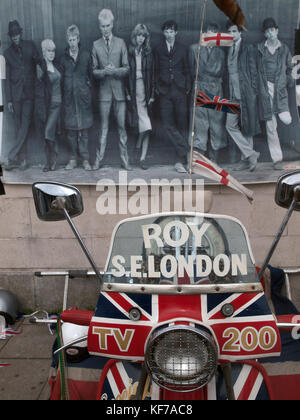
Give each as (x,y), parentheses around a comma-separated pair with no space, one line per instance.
(29,356)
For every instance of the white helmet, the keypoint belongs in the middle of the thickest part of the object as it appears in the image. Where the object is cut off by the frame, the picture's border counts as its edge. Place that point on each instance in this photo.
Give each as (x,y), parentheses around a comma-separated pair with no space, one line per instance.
(71,332)
(9,306)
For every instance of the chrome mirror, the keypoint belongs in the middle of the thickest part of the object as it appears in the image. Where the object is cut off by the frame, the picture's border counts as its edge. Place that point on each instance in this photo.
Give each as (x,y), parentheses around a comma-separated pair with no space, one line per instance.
(288,190)
(51,198)
(287,195)
(53,202)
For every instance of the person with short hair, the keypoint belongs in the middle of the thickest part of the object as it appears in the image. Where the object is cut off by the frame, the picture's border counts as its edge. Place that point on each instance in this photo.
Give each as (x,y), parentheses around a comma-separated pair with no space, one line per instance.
(48,99)
(243,89)
(275,77)
(110,68)
(172,85)
(21,59)
(76,66)
(140,88)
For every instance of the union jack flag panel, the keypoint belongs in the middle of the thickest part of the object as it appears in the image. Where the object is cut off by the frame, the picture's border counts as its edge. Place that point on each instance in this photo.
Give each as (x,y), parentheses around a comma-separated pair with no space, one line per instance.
(249,381)
(207,100)
(249,333)
(119,381)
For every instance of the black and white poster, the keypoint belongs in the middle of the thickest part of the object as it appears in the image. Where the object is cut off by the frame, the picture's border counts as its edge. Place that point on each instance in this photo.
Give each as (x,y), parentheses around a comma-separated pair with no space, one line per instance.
(91,88)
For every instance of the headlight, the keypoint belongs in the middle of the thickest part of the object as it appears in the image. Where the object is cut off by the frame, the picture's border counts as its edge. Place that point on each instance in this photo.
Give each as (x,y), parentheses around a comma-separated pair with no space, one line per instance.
(181,357)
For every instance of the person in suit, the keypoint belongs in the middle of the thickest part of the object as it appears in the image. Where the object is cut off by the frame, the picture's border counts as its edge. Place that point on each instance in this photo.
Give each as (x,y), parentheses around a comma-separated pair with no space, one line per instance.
(140,88)
(243,89)
(21,59)
(274,61)
(172,85)
(76,67)
(110,68)
(209,124)
(48,99)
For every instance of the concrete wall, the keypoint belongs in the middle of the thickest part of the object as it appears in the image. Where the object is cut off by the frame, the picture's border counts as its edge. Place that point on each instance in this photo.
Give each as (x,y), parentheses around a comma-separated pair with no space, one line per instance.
(28,244)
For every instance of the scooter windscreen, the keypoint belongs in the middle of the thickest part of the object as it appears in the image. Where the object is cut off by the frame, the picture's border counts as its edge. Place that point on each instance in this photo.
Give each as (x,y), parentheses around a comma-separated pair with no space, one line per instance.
(180,249)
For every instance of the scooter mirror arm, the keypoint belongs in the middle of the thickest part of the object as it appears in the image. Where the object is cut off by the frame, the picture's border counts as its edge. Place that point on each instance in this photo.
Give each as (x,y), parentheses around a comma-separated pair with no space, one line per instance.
(295,202)
(59,203)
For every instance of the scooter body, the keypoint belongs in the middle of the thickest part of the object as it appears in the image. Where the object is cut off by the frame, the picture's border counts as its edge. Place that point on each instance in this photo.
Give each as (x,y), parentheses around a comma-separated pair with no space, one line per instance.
(145,320)
(182,312)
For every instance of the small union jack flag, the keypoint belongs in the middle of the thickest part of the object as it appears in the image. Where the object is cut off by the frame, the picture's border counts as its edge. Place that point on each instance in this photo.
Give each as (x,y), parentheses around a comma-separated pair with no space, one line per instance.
(8,332)
(216,40)
(4,365)
(217,103)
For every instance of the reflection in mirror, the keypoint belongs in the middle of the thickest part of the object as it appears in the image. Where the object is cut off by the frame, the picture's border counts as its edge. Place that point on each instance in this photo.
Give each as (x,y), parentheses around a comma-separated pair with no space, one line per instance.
(287,185)
(45,196)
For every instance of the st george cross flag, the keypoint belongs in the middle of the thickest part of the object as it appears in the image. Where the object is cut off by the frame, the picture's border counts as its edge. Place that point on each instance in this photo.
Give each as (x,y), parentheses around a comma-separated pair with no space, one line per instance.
(217,103)
(216,40)
(203,166)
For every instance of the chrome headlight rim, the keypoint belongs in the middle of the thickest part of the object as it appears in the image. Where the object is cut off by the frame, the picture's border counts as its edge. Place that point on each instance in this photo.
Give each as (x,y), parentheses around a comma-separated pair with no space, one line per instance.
(190,385)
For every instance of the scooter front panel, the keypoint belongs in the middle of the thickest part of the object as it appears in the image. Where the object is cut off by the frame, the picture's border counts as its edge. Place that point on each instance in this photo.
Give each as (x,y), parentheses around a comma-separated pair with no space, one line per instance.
(249,332)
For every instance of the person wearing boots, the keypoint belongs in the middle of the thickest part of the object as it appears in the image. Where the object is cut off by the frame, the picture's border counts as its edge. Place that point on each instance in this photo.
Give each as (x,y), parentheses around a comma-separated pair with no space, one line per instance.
(21,60)
(76,66)
(48,99)
(110,68)
(275,67)
(140,89)
(209,124)
(243,89)
(172,86)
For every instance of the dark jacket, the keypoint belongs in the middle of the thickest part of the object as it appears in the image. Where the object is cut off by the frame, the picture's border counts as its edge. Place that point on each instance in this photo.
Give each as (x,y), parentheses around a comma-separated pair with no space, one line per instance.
(172,67)
(77,91)
(43,91)
(148,78)
(248,82)
(21,71)
(2,190)
(283,81)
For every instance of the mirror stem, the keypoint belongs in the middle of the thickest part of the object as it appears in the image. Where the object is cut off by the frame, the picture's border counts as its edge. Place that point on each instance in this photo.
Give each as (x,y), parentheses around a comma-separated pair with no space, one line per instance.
(82,244)
(278,237)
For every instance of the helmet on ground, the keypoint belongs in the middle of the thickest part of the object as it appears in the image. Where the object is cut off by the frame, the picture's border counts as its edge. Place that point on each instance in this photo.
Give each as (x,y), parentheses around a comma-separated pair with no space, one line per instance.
(9,306)
(70,332)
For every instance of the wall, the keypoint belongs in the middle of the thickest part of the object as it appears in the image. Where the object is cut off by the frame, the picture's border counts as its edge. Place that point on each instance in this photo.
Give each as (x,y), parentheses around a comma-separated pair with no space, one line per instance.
(28,245)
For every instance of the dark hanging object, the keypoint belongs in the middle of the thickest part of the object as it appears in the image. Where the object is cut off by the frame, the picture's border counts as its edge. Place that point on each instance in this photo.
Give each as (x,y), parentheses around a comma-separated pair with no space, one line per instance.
(232,10)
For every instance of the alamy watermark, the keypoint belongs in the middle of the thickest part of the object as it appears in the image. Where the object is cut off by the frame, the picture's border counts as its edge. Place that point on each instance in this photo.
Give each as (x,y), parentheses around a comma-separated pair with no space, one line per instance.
(140,197)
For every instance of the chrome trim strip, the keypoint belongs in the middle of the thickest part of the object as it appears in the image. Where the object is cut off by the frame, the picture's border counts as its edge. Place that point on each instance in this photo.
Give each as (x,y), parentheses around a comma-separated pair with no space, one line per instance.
(183,289)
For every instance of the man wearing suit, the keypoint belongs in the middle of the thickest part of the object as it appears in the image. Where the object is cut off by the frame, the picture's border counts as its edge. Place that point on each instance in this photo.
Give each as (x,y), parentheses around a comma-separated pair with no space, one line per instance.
(21,60)
(243,89)
(274,62)
(110,67)
(173,83)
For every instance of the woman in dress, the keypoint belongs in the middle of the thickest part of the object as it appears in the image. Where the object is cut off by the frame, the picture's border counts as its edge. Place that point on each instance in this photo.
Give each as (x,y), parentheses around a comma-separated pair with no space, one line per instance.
(48,102)
(140,88)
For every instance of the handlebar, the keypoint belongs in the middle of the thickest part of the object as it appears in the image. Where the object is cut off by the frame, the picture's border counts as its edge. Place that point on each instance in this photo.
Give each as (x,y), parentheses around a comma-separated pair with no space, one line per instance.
(70,273)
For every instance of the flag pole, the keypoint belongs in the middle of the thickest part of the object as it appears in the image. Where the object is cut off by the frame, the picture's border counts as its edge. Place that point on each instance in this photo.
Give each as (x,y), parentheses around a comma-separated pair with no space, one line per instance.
(196,88)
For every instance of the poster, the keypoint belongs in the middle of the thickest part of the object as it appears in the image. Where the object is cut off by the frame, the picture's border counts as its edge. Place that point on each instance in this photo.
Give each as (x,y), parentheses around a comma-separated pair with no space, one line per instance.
(105,140)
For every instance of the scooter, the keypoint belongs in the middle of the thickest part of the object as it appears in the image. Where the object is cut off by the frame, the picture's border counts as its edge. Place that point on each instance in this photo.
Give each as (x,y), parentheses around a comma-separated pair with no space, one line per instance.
(182,312)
